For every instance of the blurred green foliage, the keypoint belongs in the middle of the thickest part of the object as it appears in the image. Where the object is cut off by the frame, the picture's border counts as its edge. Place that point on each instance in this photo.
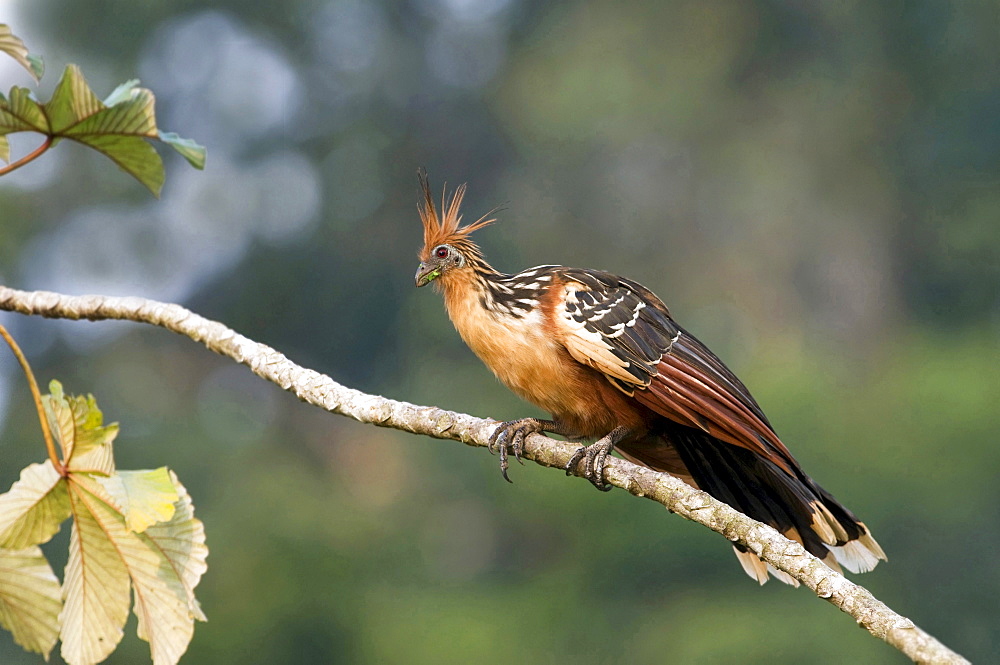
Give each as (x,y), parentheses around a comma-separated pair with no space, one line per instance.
(811,187)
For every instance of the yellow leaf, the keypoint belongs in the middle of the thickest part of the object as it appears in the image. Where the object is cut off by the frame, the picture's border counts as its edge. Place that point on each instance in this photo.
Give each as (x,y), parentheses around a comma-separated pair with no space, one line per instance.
(95,588)
(29,599)
(34,508)
(164,563)
(182,541)
(76,422)
(60,418)
(144,497)
(15,48)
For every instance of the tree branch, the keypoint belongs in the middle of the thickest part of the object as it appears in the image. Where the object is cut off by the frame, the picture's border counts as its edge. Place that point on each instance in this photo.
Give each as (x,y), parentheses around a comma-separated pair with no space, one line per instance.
(674,494)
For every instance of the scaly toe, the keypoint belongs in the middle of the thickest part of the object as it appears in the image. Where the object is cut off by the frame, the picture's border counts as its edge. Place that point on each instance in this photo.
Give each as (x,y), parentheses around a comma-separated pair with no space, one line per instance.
(508,437)
(504,465)
(597,474)
(492,444)
(574,460)
(517,445)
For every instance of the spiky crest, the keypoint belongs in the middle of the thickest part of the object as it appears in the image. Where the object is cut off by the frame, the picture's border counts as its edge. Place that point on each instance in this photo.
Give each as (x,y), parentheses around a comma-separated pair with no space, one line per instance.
(446,230)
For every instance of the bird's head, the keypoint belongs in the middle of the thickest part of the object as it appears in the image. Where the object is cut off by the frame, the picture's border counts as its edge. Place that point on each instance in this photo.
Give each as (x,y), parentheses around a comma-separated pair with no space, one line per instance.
(447,251)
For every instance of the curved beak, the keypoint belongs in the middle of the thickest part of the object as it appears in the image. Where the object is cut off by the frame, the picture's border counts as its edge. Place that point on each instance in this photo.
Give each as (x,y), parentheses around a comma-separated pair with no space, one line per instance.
(426,274)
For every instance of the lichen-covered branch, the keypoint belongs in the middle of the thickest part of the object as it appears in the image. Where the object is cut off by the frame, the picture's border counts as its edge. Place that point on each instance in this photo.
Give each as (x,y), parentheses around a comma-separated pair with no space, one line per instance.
(674,494)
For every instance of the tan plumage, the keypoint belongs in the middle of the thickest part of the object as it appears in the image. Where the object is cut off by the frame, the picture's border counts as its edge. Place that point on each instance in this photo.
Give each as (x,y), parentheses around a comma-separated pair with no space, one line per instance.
(603,355)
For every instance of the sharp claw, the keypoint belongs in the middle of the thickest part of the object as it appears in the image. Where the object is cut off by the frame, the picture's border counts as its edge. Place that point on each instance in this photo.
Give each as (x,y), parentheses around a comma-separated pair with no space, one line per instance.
(518,446)
(508,437)
(503,462)
(573,461)
(600,459)
(596,456)
(494,439)
(504,465)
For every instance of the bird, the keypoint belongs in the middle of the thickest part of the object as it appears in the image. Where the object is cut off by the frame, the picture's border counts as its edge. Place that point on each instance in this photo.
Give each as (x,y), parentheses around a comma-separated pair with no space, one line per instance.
(603,355)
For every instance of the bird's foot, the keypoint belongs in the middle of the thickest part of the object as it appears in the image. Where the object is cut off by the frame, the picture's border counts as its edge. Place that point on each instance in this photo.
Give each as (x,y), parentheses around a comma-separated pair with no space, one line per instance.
(595,456)
(509,438)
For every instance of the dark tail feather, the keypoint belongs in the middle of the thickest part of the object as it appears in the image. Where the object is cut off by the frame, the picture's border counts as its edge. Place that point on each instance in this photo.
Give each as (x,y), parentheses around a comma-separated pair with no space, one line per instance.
(795,506)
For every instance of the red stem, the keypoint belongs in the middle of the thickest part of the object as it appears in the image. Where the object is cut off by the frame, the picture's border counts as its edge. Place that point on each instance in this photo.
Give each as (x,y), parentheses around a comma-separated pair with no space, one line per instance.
(30,157)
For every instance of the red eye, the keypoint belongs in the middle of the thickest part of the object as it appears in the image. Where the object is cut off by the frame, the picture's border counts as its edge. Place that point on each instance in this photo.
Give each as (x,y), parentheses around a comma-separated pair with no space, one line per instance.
(441,252)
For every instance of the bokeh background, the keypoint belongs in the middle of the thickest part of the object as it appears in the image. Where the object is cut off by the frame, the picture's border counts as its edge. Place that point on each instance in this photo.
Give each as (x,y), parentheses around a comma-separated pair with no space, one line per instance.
(813,187)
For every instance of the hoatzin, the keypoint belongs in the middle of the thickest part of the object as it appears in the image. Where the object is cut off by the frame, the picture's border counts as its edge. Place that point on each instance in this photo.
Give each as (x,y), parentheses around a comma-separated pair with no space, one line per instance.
(602,354)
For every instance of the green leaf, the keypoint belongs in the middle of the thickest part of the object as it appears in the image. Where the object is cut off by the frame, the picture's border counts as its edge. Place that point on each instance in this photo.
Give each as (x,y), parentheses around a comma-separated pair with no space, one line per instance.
(20,113)
(132,155)
(191,151)
(37,65)
(34,508)
(15,48)
(72,101)
(164,564)
(4,149)
(144,497)
(114,129)
(77,425)
(121,93)
(133,116)
(30,599)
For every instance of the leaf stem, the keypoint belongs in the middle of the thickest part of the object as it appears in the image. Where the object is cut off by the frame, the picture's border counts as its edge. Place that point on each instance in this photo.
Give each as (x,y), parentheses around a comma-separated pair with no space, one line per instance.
(30,157)
(37,395)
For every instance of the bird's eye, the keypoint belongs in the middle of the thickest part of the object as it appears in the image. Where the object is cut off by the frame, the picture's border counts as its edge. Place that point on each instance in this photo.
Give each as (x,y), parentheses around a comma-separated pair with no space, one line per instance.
(441,252)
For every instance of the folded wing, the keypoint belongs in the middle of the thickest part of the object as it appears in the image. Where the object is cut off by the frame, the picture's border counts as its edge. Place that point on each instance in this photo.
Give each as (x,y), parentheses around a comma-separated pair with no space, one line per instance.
(624,331)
